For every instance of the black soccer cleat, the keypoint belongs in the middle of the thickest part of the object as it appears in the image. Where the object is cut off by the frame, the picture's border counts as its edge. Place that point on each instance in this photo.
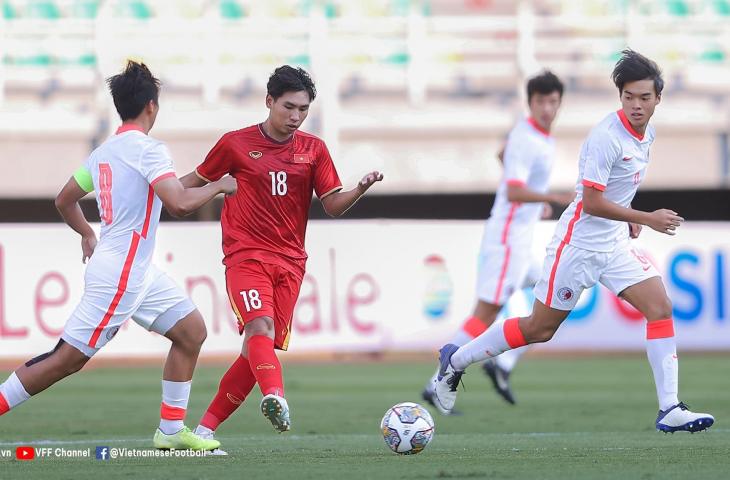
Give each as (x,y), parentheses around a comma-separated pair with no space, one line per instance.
(500,380)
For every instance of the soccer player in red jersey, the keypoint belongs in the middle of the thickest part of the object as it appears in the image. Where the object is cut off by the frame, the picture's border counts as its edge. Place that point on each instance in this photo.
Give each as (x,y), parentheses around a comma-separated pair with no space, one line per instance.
(277,168)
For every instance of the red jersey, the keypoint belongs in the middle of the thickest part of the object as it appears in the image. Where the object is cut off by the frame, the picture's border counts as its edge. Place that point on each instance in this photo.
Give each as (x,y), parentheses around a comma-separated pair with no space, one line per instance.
(266,219)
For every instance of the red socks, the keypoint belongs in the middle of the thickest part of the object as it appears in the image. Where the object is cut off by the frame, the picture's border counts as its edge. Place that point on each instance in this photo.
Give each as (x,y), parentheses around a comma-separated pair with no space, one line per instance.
(262,366)
(4,407)
(474,327)
(234,387)
(265,365)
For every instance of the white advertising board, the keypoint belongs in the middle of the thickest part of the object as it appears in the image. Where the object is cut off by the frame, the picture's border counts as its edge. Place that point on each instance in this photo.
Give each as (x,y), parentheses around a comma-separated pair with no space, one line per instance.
(370,286)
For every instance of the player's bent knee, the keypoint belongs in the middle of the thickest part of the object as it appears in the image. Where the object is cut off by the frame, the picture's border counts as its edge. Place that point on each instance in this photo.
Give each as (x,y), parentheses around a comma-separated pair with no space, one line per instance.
(543,336)
(538,334)
(190,332)
(197,331)
(69,360)
(659,310)
(260,326)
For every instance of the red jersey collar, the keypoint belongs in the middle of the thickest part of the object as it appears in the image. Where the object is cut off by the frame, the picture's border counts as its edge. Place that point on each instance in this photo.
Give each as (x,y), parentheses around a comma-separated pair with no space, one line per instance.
(627,125)
(128,127)
(537,126)
(273,140)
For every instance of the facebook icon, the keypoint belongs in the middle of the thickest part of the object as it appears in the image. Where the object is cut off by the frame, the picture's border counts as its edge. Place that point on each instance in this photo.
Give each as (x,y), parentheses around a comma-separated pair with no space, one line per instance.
(102,453)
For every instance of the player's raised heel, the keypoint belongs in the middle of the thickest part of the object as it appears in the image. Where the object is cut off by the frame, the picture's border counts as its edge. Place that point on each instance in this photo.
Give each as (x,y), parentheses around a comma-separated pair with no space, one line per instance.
(276,410)
(183,440)
(679,418)
(445,383)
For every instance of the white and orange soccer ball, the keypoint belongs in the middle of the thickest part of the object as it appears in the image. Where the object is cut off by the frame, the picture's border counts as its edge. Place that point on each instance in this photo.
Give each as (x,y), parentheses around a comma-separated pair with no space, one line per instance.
(407,428)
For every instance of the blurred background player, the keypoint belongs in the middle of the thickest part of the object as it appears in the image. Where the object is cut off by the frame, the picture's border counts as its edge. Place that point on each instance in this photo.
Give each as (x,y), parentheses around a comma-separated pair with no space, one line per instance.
(505,262)
(133,176)
(277,168)
(590,245)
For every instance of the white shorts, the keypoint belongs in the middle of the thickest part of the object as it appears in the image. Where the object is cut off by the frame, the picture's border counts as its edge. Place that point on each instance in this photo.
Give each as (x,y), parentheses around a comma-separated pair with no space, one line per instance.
(569,270)
(503,270)
(157,307)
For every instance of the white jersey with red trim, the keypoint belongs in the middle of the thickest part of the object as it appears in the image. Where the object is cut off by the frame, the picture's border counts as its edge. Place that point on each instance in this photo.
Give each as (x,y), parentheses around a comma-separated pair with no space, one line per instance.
(124,169)
(613,159)
(528,159)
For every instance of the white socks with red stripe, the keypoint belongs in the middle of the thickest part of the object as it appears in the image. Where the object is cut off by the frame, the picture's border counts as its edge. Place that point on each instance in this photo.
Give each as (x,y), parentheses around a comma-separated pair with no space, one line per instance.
(497,339)
(661,349)
(12,393)
(508,359)
(174,405)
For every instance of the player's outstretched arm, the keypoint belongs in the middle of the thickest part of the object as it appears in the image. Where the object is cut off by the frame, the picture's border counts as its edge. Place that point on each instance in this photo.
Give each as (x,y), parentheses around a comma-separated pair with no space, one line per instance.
(522,194)
(181,201)
(337,203)
(662,220)
(192,180)
(67,204)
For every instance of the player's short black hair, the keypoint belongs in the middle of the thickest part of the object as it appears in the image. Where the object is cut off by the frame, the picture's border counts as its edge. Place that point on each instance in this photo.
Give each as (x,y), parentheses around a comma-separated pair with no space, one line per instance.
(133,89)
(289,79)
(632,67)
(545,83)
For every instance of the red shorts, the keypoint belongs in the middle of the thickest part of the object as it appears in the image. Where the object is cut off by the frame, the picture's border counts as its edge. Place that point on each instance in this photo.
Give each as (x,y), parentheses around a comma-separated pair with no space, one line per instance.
(258,289)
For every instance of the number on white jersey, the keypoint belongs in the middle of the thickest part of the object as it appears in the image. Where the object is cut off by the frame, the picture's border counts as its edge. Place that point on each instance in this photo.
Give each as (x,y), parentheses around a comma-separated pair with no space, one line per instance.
(251,299)
(105,194)
(278,183)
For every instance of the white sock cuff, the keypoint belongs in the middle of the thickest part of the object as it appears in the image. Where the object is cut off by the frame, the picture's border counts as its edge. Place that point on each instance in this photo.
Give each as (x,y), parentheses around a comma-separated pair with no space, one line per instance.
(176,394)
(14,391)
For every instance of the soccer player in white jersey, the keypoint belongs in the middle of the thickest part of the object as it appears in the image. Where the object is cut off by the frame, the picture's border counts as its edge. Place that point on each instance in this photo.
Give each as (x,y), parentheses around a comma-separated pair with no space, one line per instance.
(133,176)
(505,262)
(591,245)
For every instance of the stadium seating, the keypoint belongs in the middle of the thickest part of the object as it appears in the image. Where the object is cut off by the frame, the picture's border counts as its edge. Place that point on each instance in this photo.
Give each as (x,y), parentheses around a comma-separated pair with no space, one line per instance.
(389,71)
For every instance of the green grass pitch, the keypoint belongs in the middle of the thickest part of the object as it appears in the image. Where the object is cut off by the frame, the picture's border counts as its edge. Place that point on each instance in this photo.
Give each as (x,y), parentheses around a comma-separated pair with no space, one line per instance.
(577,418)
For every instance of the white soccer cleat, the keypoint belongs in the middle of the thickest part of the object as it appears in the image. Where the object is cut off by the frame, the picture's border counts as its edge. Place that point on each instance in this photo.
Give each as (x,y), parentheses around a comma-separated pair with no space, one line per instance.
(208,434)
(680,419)
(276,410)
(445,383)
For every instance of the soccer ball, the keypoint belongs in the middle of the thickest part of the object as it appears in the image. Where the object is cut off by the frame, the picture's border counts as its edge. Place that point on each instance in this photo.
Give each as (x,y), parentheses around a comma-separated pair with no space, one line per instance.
(407,428)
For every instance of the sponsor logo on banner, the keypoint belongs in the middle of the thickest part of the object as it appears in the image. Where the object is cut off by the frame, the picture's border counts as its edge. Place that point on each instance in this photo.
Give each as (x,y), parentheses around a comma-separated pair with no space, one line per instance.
(439,287)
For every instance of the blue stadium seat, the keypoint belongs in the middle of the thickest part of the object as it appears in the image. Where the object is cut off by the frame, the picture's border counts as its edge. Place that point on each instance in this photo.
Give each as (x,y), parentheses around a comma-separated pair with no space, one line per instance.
(135,9)
(85,8)
(721,7)
(43,9)
(8,11)
(679,8)
(231,9)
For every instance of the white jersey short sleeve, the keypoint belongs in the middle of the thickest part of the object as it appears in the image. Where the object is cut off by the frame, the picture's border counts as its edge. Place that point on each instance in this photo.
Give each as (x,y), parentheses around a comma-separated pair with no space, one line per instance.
(600,152)
(156,163)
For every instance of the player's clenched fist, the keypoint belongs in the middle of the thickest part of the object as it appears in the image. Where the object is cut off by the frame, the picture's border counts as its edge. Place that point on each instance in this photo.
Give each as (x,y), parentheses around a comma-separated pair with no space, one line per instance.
(227,185)
(88,244)
(634,230)
(664,221)
(368,180)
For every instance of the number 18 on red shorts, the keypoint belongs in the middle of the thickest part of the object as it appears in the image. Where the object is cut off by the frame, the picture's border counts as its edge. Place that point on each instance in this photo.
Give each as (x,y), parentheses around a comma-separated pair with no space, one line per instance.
(257,289)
